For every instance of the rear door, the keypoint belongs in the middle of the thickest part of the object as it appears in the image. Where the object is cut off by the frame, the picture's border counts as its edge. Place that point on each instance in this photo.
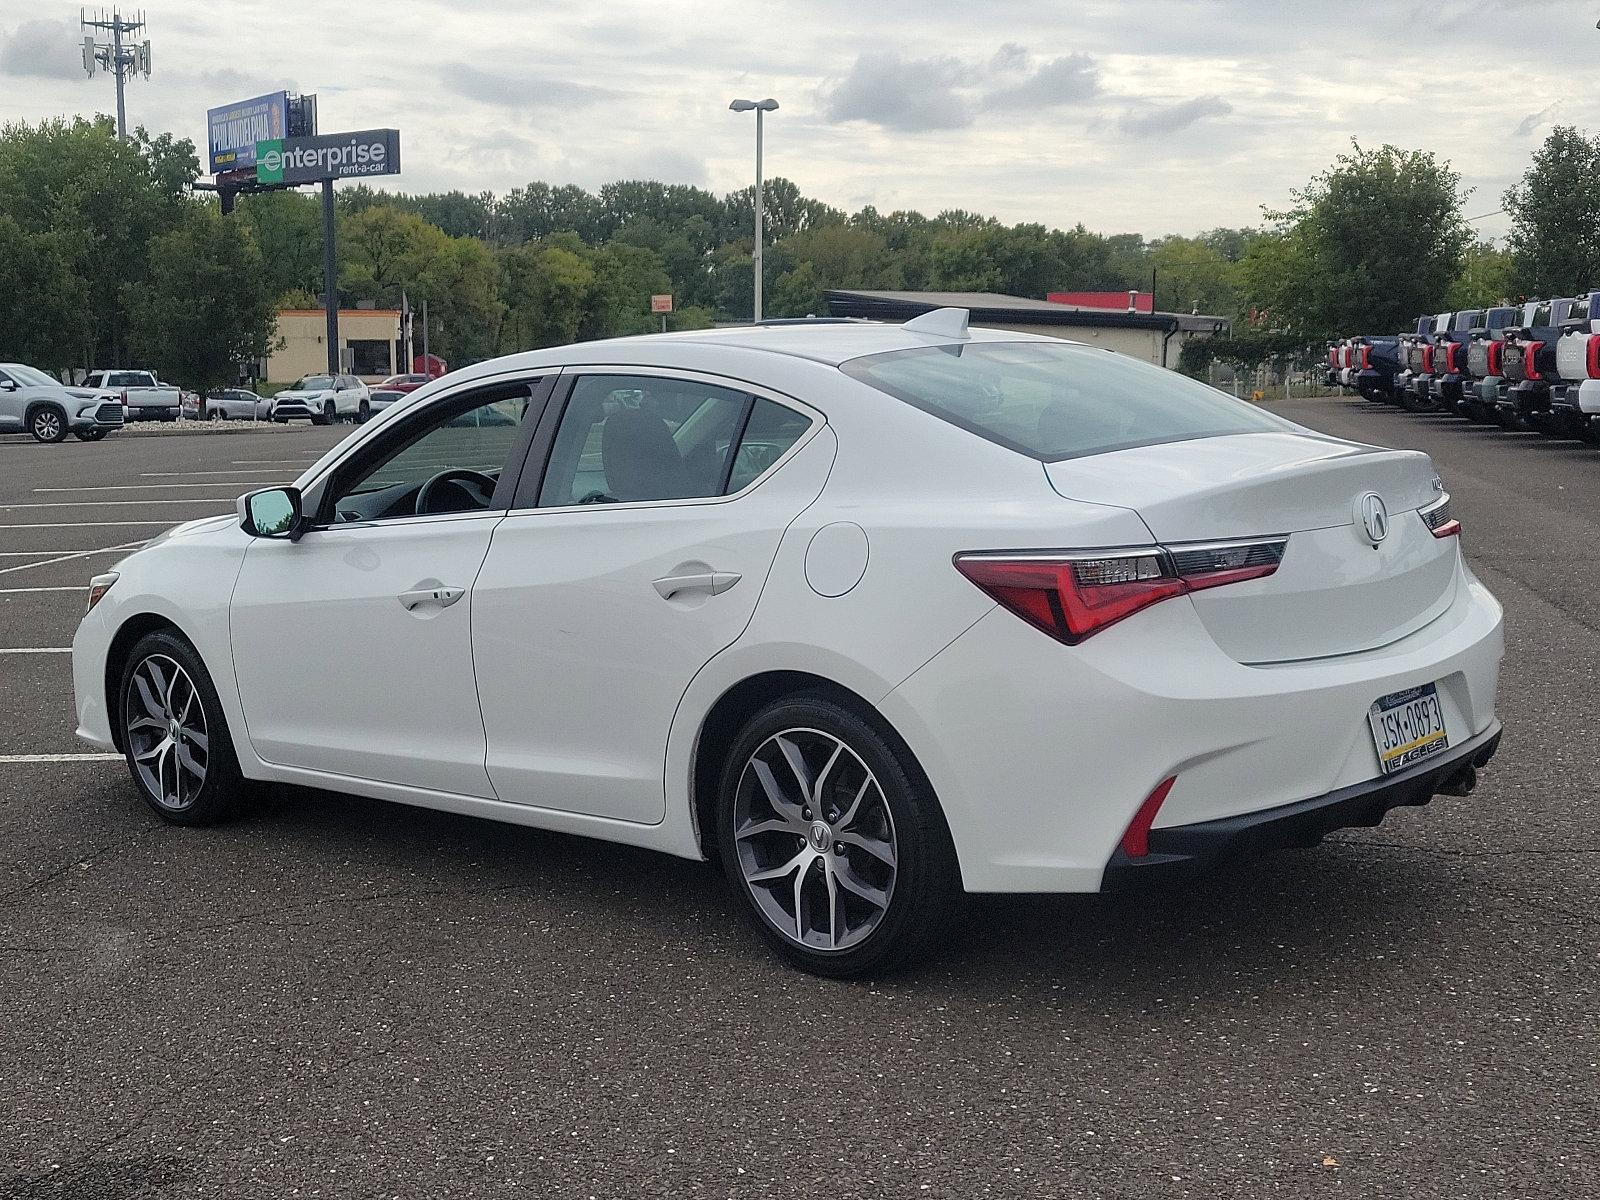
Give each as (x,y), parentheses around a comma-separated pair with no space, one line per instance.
(633,556)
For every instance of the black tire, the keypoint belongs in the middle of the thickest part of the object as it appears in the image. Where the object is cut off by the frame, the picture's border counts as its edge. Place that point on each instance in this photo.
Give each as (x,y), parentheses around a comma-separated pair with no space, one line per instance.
(329,415)
(364,413)
(89,435)
(221,792)
(48,424)
(924,882)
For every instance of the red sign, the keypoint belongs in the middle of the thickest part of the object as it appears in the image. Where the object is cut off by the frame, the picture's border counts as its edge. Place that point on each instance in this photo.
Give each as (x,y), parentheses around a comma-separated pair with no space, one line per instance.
(660,304)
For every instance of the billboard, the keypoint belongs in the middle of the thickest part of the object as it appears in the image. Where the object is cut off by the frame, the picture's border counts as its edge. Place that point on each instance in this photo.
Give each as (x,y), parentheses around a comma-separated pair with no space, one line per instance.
(328,156)
(234,129)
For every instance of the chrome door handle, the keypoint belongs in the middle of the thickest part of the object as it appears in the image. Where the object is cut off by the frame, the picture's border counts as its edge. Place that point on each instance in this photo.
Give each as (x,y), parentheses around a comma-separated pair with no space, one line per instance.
(714,582)
(444,597)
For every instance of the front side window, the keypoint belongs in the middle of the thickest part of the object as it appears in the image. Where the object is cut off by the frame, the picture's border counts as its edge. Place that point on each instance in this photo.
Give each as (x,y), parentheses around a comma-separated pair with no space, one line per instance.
(448,460)
(626,438)
(1057,400)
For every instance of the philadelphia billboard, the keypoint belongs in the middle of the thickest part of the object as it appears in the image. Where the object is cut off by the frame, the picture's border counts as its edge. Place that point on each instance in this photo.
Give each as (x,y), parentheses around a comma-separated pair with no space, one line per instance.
(288,161)
(234,130)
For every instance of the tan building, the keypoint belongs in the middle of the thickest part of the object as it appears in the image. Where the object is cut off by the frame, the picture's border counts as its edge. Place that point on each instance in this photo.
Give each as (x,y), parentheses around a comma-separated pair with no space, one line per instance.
(367,341)
(1154,337)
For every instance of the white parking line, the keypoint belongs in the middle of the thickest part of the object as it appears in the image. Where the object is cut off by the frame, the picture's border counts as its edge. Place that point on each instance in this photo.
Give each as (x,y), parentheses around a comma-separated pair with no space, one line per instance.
(134,487)
(68,557)
(55,758)
(119,503)
(281,462)
(186,474)
(35,649)
(47,553)
(77,524)
(14,591)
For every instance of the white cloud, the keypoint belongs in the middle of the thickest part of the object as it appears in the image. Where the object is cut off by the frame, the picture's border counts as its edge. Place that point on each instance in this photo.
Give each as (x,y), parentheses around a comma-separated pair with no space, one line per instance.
(43,50)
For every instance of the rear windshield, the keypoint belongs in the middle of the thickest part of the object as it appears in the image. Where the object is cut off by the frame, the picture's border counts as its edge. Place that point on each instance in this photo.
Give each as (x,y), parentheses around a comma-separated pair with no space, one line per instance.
(1055,401)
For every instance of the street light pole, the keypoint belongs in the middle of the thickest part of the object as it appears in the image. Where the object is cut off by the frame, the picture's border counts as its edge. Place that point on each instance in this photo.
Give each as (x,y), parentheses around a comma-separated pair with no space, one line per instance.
(761,107)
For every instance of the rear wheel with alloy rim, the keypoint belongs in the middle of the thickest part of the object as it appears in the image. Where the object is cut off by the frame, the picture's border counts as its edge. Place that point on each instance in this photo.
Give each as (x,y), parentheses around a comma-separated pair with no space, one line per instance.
(48,425)
(174,734)
(833,839)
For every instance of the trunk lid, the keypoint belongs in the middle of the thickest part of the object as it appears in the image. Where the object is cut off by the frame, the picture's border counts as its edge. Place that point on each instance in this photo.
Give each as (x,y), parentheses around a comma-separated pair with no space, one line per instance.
(1336,592)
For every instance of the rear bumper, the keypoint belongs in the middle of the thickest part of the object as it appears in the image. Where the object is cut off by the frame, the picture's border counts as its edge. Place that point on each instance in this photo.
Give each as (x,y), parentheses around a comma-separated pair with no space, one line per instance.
(1041,754)
(1182,852)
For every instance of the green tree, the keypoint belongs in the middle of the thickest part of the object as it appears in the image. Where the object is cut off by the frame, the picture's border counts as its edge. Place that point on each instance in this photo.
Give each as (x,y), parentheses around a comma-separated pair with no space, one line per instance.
(1555,217)
(287,227)
(204,308)
(1368,244)
(1193,276)
(102,200)
(44,304)
(1485,279)
(546,291)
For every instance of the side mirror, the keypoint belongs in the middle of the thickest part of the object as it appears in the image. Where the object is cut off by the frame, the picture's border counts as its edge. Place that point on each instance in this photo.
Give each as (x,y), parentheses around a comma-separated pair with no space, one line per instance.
(9,385)
(272,513)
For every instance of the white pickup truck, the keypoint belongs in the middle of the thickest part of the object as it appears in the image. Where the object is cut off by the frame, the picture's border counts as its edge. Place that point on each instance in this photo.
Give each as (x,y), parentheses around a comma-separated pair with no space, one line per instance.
(142,397)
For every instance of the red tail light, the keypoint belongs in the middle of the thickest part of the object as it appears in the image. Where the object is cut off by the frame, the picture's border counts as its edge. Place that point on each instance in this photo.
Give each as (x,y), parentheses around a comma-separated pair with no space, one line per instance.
(1427,360)
(1438,519)
(1530,359)
(1366,358)
(1593,356)
(1492,358)
(1073,594)
(1136,842)
(1450,358)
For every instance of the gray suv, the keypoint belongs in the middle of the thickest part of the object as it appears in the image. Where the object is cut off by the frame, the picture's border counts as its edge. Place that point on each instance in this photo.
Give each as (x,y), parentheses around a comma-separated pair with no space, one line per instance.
(33,401)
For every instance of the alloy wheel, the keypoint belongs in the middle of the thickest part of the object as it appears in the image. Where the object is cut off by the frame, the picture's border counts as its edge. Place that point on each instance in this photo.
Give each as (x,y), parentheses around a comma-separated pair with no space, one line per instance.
(166,732)
(815,840)
(47,425)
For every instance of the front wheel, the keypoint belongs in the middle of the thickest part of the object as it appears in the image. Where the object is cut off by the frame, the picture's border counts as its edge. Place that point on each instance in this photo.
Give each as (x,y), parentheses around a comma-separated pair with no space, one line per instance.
(833,840)
(47,425)
(174,734)
(364,413)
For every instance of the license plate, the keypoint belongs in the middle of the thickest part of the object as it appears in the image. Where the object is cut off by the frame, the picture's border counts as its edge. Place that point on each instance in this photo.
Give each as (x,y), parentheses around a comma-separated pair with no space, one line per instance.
(1408,727)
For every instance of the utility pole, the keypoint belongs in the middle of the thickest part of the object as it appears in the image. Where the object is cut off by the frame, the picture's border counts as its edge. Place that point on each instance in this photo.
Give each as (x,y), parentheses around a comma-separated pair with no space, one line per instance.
(330,279)
(121,59)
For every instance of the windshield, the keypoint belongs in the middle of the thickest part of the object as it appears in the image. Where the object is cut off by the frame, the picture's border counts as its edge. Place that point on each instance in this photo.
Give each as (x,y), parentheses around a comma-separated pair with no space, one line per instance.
(1057,400)
(314,383)
(32,376)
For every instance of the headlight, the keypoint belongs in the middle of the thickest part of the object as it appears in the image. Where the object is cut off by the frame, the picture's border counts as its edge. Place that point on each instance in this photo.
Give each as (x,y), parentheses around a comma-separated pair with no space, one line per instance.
(99,586)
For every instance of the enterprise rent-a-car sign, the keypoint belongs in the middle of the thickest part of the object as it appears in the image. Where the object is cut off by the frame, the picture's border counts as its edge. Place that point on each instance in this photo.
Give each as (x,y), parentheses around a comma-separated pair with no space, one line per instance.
(234,129)
(328,156)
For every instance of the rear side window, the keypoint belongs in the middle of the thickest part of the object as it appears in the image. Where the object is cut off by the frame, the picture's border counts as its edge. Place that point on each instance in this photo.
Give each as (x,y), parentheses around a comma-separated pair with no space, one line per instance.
(629,438)
(1056,401)
(1579,312)
(1541,316)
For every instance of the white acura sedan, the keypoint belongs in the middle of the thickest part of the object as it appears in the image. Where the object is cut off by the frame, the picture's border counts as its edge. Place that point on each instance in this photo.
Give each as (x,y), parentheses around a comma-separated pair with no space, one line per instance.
(871,613)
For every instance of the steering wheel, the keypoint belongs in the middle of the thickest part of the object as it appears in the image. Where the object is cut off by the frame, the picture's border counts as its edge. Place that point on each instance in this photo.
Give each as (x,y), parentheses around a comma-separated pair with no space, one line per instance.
(475,486)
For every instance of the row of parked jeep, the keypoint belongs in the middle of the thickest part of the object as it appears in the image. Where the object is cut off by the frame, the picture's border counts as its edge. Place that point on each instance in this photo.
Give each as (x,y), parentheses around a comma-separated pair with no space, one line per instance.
(1534,365)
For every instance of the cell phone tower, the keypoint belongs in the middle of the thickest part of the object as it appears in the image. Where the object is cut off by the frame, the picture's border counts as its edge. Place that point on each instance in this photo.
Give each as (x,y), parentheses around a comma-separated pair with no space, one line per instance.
(121,56)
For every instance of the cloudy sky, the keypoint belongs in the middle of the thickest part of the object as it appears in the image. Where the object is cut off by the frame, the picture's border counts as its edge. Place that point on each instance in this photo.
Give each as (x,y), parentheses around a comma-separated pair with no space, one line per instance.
(1154,116)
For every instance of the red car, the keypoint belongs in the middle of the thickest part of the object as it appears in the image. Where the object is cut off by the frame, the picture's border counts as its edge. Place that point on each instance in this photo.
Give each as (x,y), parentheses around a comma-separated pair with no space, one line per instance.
(403,383)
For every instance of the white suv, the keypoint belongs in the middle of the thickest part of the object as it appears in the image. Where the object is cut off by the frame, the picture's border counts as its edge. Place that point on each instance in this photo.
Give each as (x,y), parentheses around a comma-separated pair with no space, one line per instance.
(323,399)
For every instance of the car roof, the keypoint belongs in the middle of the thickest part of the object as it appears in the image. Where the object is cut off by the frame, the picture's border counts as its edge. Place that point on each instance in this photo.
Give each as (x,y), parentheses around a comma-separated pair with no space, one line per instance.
(827,342)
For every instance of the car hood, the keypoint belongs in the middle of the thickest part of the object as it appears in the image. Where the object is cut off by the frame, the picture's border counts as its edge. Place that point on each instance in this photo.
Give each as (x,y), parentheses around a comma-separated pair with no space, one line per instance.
(295,394)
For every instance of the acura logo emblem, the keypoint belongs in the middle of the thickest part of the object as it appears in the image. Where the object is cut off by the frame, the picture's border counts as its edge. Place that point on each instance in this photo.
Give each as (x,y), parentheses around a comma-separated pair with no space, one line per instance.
(1374,517)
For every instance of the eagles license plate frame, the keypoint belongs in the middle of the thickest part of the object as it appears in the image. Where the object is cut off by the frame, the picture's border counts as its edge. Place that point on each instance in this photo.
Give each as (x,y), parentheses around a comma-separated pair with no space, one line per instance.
(1408,727)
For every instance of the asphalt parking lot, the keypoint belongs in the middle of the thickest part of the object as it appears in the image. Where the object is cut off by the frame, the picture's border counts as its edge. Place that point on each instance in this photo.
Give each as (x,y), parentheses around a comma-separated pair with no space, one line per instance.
(336,997)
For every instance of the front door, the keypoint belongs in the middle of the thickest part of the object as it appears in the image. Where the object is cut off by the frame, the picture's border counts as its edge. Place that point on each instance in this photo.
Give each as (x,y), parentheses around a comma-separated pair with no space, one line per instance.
(639,556)
(353,645)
